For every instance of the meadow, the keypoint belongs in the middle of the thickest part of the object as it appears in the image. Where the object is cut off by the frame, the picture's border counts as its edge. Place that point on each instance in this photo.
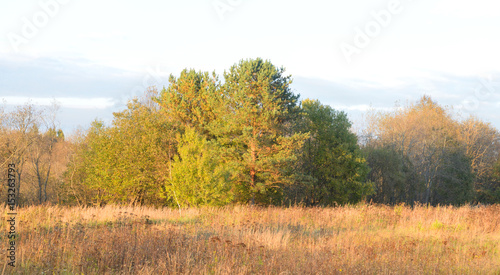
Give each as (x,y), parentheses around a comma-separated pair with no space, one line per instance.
(357,239)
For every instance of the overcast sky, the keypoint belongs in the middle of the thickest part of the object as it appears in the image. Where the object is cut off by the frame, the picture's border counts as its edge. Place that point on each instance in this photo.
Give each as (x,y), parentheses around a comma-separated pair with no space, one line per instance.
(91,56)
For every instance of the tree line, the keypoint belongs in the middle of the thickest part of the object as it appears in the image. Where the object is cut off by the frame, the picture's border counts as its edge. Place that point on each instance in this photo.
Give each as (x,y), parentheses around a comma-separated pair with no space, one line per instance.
(425,153)
(246,137)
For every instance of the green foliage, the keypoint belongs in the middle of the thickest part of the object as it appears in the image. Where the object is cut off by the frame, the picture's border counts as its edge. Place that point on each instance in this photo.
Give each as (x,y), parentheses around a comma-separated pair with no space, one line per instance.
(125,162)
(244,122)
(454,181)
(191,99)
(331,158)
(82,175)
(496,170)
(60,134)
(491,192)
(199,176)
(202,141)
(393,176)
(251,125)
(432,157)
(496,180)
(437,225)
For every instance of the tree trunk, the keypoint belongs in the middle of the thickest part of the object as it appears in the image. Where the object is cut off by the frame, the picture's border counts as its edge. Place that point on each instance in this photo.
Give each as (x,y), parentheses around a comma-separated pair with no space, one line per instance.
(252,183)
(252,171)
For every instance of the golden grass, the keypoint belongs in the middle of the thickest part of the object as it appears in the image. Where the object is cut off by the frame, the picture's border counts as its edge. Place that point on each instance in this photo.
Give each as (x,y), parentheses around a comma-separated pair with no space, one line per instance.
(251,240)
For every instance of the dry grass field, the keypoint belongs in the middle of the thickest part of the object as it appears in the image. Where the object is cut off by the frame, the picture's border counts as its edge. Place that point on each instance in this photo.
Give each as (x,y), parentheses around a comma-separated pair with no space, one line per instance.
(360,239)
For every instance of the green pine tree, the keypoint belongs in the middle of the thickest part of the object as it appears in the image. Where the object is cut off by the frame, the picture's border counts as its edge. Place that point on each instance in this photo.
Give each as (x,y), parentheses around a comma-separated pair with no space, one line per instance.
(331,158)
(252,125)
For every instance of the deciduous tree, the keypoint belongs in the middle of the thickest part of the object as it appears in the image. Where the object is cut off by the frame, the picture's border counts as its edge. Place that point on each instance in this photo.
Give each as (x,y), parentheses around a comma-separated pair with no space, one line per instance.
(428,136)
(126,162)
(199,175)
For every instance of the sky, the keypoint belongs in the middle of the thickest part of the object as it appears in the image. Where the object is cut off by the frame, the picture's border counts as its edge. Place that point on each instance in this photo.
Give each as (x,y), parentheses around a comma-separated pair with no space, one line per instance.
(92,56)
